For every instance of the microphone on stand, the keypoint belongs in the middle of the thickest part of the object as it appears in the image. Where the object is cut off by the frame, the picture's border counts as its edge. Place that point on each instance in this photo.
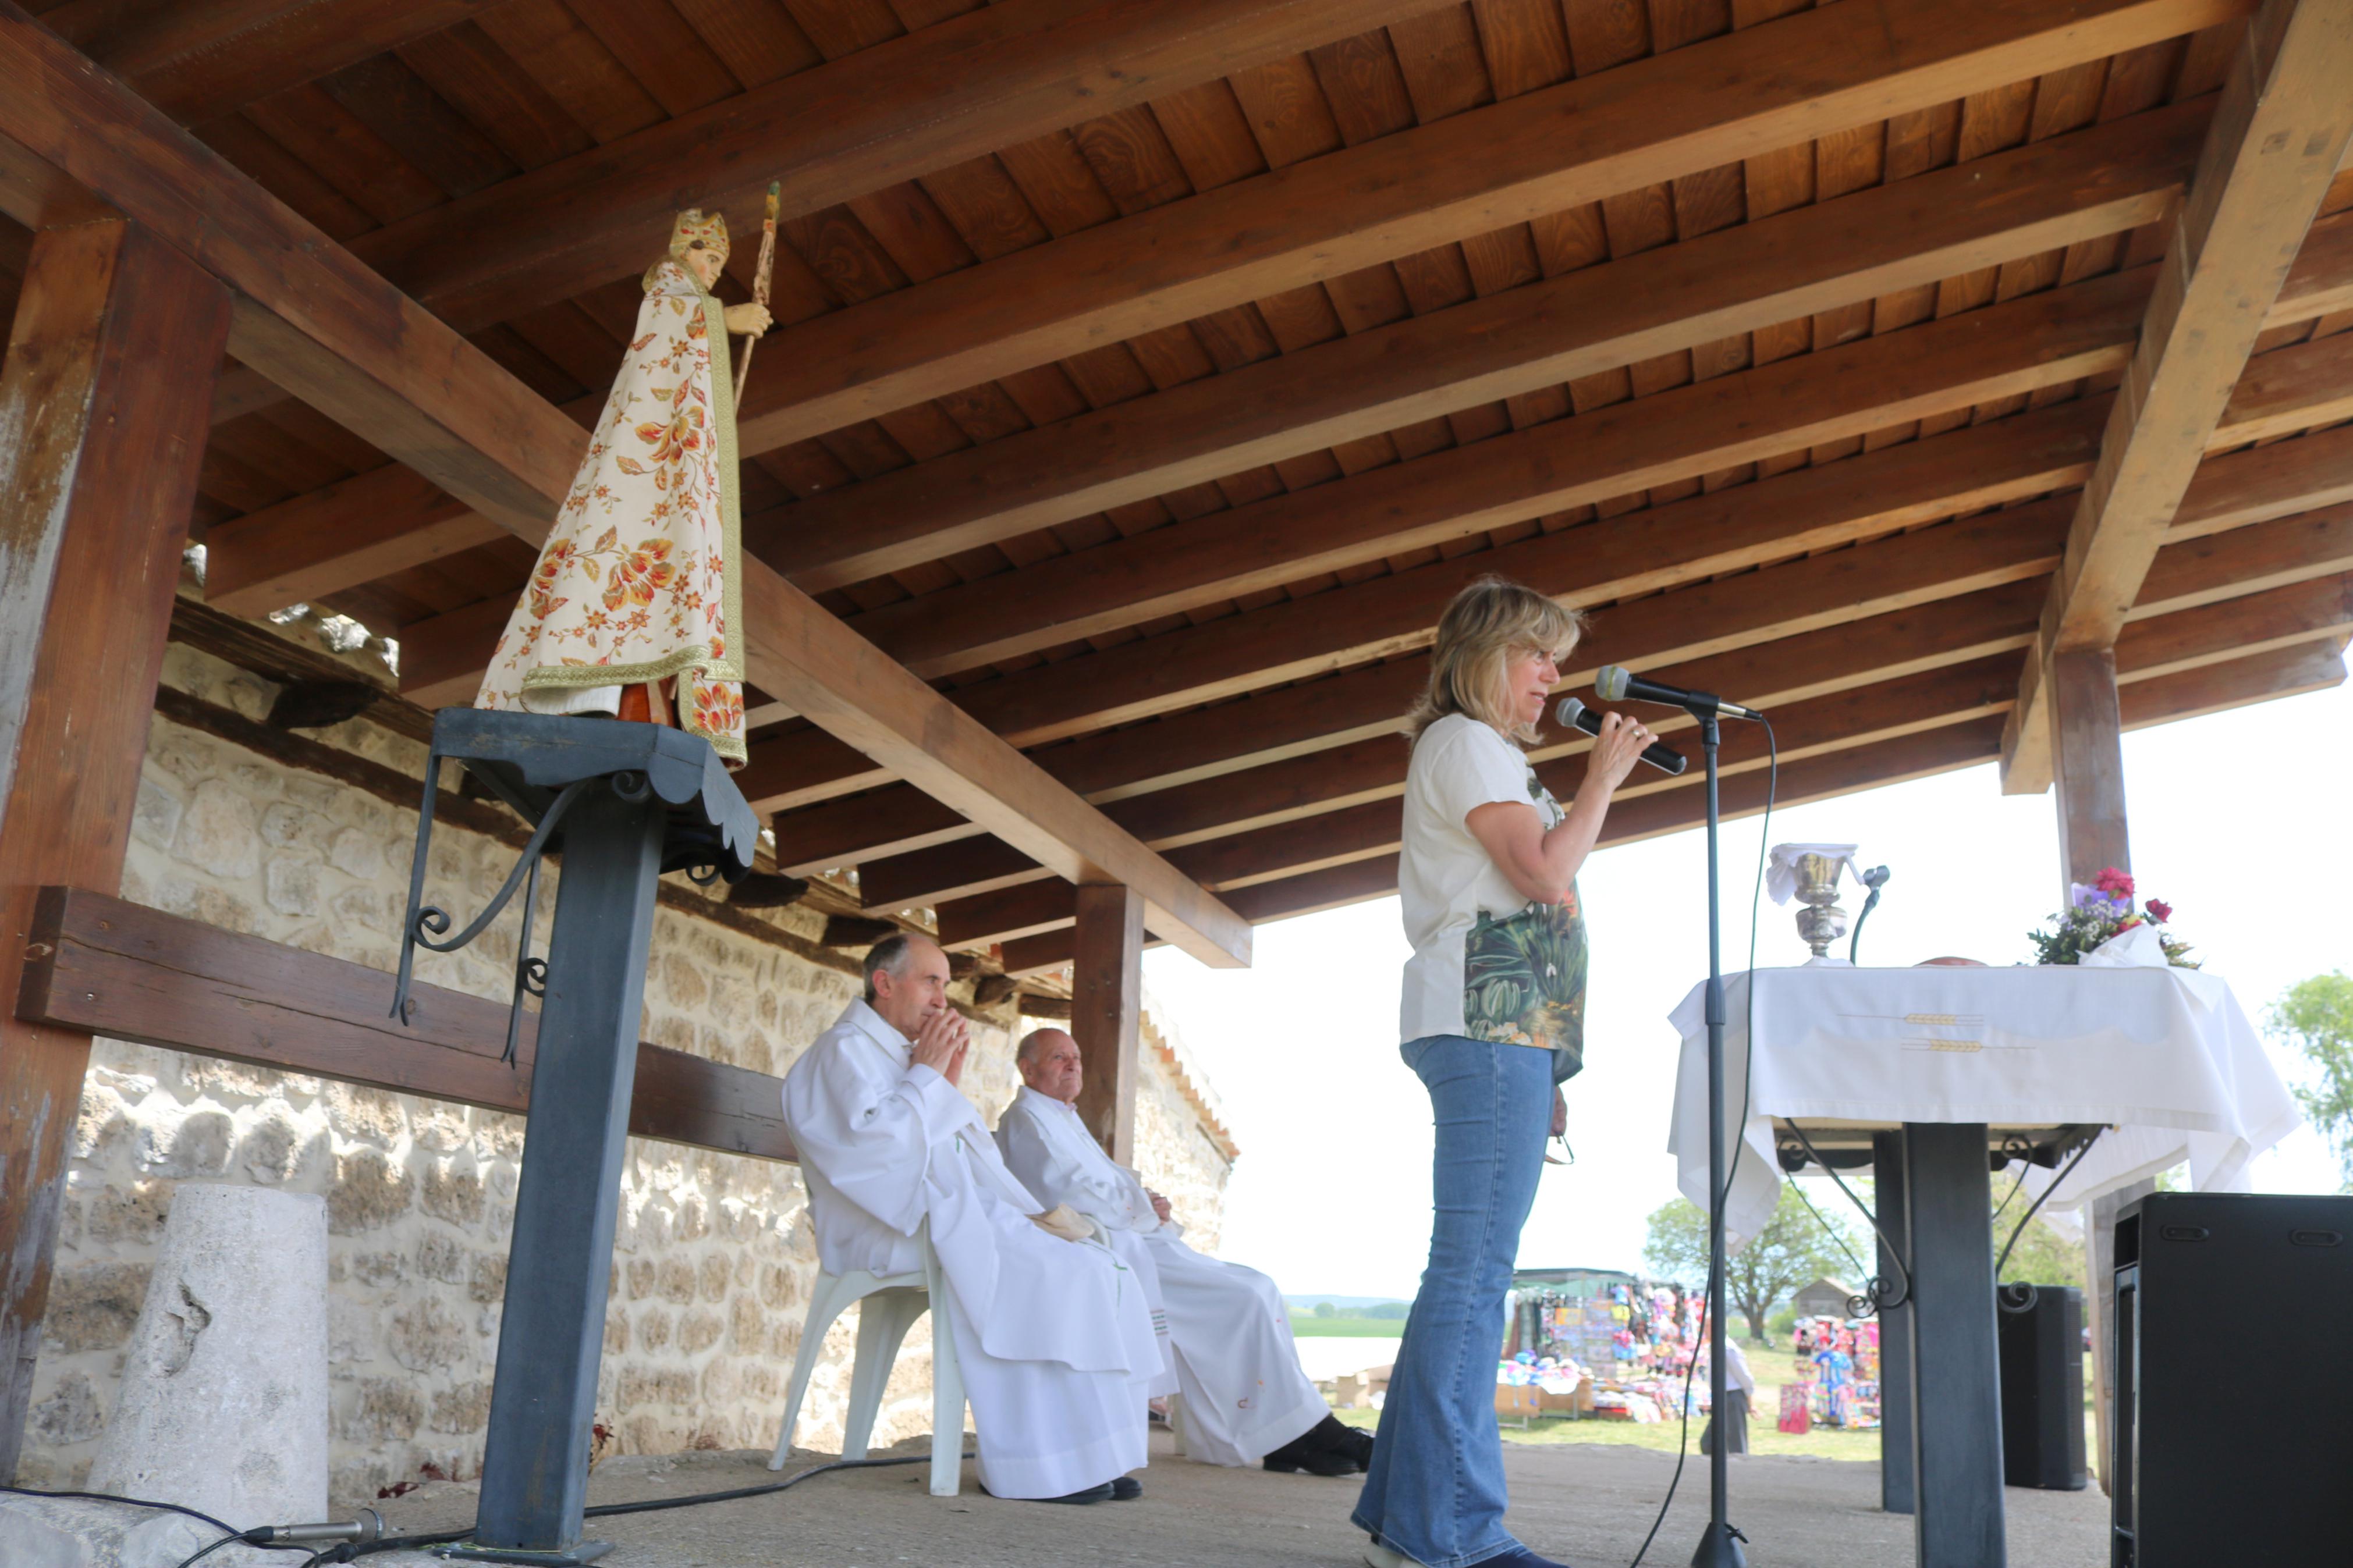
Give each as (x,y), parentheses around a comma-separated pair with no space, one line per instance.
(1573,714)
(1616,683)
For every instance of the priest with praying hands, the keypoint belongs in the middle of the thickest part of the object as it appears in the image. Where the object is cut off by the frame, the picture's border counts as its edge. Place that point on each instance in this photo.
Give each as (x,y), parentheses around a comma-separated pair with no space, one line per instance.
(1050,1329)
(1245,1396)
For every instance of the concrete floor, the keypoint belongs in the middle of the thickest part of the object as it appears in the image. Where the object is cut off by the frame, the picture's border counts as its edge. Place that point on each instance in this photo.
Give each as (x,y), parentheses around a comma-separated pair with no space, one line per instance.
(1587,1505)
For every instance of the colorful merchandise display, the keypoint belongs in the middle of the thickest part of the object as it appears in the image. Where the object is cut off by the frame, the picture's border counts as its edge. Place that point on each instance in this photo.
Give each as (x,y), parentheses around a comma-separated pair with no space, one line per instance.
(1836,1381)
(1632,1337)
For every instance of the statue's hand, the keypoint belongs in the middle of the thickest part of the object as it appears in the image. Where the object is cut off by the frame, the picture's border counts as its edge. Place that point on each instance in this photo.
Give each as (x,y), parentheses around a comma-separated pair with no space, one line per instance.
(750,320)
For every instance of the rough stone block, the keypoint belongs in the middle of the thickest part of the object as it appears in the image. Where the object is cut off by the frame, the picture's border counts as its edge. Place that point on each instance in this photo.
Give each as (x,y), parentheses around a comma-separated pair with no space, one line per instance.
(223,1405)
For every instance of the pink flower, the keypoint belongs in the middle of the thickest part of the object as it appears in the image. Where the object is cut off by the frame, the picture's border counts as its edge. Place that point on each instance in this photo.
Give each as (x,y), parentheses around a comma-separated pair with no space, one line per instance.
(2160,909)
(2112,881)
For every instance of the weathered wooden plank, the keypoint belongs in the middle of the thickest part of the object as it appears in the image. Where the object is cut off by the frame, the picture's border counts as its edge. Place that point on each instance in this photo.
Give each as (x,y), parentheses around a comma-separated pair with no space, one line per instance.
(2279,133)
(2041,197)
(307,314)
(103,393)
(196,62)
(994,77)
(109,967)
(811,661)
(1544,153)
(369,526)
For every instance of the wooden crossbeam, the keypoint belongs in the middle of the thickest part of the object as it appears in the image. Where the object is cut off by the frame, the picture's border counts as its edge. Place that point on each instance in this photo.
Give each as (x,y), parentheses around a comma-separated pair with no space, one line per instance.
(2019,347)
(2040,197)
(2306,665)
(321,323)
(960,89)
(1817,673)
(1687,540)
(110,967)
(1544,152)
(197,62)
(2278,136)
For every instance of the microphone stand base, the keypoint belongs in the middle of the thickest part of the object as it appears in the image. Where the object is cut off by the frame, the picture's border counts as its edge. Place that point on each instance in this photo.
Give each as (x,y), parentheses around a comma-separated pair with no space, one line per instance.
(1720,1548)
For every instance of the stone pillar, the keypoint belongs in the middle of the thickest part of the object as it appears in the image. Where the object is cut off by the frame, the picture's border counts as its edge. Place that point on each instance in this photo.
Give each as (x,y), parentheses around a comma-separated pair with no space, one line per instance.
(223,1405)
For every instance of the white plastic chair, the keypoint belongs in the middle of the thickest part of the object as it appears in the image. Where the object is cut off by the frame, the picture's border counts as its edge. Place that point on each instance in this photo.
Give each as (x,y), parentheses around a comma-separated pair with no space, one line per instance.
(890,1304)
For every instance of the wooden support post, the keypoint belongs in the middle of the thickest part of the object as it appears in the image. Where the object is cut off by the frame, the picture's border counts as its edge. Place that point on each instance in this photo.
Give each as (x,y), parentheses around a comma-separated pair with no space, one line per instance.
(105,394)
(2088,764)
(1107,1011)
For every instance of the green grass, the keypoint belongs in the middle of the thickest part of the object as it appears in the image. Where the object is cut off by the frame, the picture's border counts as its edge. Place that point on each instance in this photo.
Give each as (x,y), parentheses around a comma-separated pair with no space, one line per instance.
(1305,1327)
(1765,1437)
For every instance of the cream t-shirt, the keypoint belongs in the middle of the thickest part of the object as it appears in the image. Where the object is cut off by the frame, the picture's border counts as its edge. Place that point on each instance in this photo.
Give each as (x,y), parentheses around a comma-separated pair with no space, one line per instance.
(1487,963)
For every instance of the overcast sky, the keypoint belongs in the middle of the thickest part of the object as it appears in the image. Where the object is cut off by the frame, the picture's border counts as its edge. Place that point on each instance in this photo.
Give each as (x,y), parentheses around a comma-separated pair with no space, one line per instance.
(2237,820)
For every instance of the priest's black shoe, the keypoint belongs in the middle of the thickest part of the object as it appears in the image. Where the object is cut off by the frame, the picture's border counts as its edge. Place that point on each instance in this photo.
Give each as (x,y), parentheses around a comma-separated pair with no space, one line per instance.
(1351,1443)
(1103,1493)
(1125,1488)
(1303,1453)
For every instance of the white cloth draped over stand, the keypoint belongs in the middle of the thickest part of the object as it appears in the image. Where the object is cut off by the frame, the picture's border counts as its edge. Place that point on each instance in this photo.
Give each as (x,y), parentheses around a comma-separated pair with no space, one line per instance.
(2164,1059)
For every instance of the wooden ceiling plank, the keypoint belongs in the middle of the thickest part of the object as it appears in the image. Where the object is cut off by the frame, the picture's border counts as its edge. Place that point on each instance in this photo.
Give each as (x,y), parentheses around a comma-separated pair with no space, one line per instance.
(2279,133)
(1001,75)
(1524,159)
(807,658)
(198,62)
(1520,341)
(2207,594)
(308,313)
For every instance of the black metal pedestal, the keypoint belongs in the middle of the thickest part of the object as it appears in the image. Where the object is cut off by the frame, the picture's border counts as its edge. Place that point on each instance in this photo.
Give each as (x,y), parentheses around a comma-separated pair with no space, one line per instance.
(1956,1374)
(623,803)
(1897,1489)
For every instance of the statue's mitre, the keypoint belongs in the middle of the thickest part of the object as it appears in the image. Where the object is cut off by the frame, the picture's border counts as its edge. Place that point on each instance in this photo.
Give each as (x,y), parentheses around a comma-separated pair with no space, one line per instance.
(693,226)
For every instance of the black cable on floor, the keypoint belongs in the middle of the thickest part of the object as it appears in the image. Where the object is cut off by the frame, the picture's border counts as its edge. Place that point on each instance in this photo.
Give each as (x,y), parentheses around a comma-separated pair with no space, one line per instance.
(349,1550)
(1739,1142)
(229,1532)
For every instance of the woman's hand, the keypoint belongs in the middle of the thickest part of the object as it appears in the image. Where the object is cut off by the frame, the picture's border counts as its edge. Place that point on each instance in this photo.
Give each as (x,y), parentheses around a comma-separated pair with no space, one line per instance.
(748,320)
(1559,1113)
(1615,751)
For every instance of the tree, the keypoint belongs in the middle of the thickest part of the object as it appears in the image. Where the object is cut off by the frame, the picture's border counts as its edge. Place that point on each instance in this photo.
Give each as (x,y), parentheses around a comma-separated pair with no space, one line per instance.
(2043,1256)
(1325,1310)
(1792,1251)
(2317,1016)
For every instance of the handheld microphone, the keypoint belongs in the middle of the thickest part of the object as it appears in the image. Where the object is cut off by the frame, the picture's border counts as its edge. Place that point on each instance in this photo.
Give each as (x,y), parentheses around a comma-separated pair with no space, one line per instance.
(1616,683)
(1658,753)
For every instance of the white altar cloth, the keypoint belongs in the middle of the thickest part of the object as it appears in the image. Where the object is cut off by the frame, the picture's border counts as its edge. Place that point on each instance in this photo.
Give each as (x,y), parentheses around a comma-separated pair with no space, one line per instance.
(2163,1057)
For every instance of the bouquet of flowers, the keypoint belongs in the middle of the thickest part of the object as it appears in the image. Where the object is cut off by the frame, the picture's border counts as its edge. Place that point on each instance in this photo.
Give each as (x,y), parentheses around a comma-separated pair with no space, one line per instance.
(2100,911)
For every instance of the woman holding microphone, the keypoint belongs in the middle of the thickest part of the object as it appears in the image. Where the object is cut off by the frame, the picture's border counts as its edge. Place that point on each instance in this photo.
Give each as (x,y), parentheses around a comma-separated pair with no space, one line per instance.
(1492,1020)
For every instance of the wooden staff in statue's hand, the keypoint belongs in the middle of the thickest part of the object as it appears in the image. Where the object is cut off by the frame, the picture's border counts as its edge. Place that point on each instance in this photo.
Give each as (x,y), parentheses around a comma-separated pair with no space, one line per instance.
(760,275)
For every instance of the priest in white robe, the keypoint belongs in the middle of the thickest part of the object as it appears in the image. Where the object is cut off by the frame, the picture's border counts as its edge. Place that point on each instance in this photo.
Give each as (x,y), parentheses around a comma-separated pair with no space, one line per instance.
(1246,1399)
(1053,1332)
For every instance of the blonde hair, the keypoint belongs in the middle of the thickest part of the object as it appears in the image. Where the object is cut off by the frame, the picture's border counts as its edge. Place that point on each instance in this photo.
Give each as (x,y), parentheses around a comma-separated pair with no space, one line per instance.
(1488,621)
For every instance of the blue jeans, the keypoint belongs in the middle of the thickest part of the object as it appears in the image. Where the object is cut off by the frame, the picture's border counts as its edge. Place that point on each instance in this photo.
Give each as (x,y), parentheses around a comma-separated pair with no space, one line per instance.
(1435,1491)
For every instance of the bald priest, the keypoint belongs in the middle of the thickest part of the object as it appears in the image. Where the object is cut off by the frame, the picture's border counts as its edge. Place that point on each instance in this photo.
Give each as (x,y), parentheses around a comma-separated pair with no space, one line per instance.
(1053,1333)
(1245,1396)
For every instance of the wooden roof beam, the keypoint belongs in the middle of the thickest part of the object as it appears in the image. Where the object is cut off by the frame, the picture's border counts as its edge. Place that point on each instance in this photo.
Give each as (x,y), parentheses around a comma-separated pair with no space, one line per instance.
(2278,135)
(306,312)
(2312,665)
(993,77)
(1805,669)
(1651,119)
(2040,197)
(1810,508)
(199,61)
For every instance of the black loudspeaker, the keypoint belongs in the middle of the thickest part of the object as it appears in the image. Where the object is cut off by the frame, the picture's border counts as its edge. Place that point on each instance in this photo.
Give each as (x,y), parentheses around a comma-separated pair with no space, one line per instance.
(2040,1332)
(2232,1421)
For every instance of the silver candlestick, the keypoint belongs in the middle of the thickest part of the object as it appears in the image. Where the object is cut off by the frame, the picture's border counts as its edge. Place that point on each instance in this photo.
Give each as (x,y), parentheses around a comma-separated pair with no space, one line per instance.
(1821,922)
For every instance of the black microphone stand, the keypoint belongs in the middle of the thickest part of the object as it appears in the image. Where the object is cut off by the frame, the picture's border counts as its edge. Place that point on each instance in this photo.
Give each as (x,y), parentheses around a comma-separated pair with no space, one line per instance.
(1720,1547)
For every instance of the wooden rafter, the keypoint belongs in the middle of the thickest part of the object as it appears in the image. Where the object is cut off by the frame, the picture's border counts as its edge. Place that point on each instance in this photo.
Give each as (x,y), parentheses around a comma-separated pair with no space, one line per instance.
(315,319)
(2307,665)
(2278,137)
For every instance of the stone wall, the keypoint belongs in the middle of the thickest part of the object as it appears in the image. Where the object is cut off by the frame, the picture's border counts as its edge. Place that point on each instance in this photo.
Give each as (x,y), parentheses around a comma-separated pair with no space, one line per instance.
(714,1256)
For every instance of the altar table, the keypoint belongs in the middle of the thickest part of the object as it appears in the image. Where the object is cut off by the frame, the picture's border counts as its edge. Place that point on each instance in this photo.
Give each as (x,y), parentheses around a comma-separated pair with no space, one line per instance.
(1940,1070)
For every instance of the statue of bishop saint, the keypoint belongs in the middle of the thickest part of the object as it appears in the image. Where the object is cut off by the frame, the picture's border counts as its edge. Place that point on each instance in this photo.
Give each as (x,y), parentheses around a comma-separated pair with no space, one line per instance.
(635,609)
